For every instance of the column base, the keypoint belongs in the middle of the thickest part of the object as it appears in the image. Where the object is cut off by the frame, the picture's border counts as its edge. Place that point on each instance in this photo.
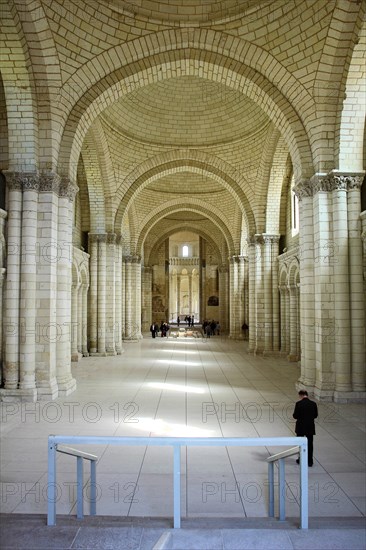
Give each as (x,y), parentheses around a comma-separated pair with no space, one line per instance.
(76,357)
(330,395)
(293,358)
(48,391)
(111,353)
(98,354)
(67,387)
(18,396)
(85,354)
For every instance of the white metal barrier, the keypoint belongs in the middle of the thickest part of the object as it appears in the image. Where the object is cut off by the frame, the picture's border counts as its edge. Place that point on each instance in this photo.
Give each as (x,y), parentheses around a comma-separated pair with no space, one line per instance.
(55,443)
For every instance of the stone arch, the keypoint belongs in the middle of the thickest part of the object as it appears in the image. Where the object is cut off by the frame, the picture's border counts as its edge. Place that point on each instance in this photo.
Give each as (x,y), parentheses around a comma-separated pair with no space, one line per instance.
(95,186)
(174,229)
(277,181)
(273,97)
(190,206)
(195,161)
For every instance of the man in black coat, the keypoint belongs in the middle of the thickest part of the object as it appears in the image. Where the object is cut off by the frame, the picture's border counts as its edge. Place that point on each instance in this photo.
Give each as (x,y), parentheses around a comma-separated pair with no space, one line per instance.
(305,413)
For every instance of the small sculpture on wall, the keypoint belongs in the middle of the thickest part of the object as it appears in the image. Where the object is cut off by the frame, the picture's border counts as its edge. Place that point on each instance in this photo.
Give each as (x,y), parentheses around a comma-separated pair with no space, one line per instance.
(213,301)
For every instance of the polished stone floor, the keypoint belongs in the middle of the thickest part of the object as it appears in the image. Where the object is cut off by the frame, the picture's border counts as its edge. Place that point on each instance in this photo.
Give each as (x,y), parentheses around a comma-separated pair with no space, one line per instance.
(177,387)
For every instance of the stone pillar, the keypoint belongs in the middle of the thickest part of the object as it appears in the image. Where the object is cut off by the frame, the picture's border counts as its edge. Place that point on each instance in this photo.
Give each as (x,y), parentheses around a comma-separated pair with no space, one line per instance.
(292,356)
(12,285)
(223,298)
(128,298)
(28,285)
(252,290)
(178,293)
(246,290)
(124,304)
(147,293)
(84,335)
(93,299)
(190,293)
(110,302)
(233,297)
(136,293)
(275,294)
(102,263)
(357,281)
(241,297)
(66,383)
(268,301)
(259,295)
(74,323)
(306,243)
(118,295)
(288,321)
(80,319)
(283,291)
(342,345)
(2,276)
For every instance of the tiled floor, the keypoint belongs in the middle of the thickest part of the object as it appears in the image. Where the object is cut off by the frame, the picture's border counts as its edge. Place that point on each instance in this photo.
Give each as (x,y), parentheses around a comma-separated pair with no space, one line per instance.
(177,387)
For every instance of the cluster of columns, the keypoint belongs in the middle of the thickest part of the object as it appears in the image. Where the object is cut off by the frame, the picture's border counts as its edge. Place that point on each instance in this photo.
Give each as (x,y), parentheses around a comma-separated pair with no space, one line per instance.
(37,328)
(263,293)
(332,289)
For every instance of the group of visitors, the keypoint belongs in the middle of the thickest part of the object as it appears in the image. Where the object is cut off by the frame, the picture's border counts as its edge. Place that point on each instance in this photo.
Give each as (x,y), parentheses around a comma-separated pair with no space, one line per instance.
(163,329)
(210,328)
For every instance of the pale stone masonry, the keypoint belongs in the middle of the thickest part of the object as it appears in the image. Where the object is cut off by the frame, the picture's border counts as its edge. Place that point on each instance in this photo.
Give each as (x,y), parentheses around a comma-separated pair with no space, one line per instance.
(165,159)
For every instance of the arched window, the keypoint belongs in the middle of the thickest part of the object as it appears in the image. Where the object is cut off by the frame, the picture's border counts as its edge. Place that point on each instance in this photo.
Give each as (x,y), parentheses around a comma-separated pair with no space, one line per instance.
(185,251)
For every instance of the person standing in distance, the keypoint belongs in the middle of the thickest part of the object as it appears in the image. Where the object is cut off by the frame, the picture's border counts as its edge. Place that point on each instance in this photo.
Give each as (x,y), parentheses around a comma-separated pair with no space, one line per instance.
(305,413)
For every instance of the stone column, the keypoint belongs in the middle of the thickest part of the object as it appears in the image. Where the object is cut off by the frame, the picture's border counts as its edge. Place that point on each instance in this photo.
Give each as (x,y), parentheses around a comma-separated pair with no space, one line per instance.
(2,276)
(80,319)
(275,294)
(28,283)
(342,347)
(118,296)
(136,293)
(66,383)
(259,295)
(223,298)
(233,297)
(128,297)
(306,243)
(283,290)
(252,290)
(102,257)
(124,293)
(74,323)
(110,303)
(240,298)
(288,321)
(84,336)
(190,293)
(178,293)
(93,298)
(268,300)
(147,291)
(357,291)
(292,356)
(12,285)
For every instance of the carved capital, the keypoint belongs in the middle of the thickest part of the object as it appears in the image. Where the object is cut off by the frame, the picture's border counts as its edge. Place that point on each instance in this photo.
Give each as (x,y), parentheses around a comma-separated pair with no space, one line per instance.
(111,238)
(303,189)
(67,189)
(22,180)
(269,238)
(49,183)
